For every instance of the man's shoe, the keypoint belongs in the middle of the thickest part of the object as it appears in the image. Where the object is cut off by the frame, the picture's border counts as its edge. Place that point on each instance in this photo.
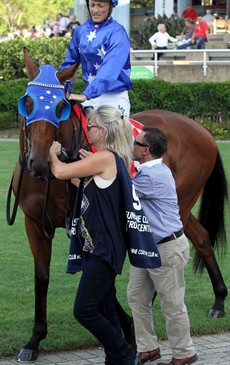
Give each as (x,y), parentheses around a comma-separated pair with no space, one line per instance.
(149,355)
(185,361)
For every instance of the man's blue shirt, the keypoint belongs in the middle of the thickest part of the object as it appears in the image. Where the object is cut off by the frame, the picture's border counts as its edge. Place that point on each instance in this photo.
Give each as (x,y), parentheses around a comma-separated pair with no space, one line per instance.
(155,186)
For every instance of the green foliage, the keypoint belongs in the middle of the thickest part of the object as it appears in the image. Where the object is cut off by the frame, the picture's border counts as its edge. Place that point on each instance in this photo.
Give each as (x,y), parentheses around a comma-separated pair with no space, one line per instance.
(43,51)
(30,12)
(7,120)
(192,100)
(141,33)
(219,131)
(198,99)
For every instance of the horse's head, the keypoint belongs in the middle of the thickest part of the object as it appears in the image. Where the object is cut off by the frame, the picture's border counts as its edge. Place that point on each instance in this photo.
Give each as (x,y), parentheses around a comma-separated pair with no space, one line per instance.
(44,107)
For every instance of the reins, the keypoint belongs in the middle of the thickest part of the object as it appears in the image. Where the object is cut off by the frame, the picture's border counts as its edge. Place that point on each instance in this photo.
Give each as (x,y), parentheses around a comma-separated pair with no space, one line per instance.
(11,218)
(69,156)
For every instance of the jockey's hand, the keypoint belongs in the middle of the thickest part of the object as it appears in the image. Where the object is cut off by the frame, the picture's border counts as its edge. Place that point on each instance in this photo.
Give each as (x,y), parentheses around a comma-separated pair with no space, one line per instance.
(78,97)
(55,149)
(84,154)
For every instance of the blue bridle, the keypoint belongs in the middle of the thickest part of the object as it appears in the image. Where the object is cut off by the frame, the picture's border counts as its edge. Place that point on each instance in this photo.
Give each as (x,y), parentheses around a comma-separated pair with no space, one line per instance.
(46,92)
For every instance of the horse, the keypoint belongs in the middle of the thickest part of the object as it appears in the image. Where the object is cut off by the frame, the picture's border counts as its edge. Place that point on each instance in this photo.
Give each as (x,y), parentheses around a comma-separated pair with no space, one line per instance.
(47,203)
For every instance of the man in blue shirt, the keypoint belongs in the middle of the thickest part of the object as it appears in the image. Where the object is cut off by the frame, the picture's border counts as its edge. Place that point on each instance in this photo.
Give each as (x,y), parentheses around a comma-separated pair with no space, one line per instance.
(102,47)
(156,190)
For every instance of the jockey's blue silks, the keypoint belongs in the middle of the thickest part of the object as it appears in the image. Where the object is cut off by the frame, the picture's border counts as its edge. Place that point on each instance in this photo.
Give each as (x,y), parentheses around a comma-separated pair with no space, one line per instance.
(46,92)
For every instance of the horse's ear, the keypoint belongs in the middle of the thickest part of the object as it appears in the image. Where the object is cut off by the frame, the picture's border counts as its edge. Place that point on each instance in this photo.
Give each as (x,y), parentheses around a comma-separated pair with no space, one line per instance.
(67,73)
(32,69)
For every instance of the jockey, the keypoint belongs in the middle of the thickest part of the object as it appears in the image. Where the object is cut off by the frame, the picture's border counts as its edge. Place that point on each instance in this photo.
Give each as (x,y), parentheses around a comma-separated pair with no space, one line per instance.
(102,46)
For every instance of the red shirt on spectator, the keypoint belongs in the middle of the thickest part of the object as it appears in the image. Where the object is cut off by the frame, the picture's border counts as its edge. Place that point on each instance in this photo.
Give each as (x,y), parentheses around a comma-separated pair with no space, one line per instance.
(200,30)
(189,13)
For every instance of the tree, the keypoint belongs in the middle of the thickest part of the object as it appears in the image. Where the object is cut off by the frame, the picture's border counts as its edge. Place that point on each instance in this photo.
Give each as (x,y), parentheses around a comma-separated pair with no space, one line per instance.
(30,12)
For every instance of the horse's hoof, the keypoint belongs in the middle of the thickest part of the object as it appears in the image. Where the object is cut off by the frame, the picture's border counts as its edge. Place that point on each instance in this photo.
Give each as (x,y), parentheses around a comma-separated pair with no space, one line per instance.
(214,313)
(27,355)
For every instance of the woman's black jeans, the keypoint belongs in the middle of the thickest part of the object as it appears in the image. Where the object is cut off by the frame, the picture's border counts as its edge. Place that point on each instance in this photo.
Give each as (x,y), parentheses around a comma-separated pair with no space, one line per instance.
(94,308)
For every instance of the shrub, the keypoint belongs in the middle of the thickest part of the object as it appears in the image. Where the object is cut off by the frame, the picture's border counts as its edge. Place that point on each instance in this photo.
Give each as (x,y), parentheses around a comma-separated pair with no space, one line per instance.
(204,102)
(43,50)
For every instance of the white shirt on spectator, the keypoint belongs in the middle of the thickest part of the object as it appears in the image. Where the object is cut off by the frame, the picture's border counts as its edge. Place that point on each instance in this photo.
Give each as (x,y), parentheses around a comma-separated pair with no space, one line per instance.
(160,39)
(63,22)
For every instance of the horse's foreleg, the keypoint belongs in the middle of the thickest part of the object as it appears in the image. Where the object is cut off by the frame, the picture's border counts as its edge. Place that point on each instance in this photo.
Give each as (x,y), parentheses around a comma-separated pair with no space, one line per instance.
(201,242)
(41,250)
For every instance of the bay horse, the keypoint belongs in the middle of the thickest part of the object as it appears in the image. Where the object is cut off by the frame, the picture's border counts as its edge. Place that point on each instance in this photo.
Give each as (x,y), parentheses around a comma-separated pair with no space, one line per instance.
(47,203)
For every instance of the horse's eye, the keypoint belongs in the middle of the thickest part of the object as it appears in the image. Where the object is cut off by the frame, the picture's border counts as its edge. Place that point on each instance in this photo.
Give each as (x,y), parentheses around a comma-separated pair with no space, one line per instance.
(29,104)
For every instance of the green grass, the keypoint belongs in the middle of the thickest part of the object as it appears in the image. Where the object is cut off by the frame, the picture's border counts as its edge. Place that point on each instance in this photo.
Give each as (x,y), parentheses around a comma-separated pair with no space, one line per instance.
(17,282)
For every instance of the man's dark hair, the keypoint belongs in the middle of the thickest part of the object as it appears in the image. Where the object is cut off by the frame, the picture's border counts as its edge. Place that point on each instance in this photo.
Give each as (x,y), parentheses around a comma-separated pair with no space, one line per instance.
(156,140)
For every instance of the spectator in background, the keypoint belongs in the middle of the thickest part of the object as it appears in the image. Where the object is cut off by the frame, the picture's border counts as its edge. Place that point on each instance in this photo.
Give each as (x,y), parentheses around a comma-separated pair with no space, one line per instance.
(209,18)
(189,12)
(73,24)
(159,40)
(54,27)
(147,18)
(200,34)
(24,31)
(63,22)
(33,32)
(186,36)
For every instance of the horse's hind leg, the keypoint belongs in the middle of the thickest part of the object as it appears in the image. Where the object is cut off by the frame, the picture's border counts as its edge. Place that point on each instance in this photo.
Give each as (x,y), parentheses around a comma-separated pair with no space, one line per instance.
(127,325)
(41,250)
(199,237)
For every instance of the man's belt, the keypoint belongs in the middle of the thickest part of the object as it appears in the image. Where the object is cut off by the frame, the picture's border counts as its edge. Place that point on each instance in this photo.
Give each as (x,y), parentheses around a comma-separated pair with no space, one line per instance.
(173,236)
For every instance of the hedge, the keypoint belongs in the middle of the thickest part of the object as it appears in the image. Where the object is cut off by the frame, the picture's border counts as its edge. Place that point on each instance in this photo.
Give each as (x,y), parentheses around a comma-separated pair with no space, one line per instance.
(193,100)
(42,50)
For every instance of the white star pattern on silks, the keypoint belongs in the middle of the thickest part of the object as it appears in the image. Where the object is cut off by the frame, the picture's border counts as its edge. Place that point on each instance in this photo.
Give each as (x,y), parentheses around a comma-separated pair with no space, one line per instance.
(91,36)
(91,78)
(97,66)
(101,53)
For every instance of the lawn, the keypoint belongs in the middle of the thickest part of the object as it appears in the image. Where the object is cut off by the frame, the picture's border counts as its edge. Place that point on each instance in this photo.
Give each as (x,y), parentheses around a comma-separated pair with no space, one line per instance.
(16,285)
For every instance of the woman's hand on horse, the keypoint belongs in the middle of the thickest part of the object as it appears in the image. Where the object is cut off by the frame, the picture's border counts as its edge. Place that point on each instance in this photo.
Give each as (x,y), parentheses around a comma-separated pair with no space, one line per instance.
(55,149)
(84,154)
(78,97)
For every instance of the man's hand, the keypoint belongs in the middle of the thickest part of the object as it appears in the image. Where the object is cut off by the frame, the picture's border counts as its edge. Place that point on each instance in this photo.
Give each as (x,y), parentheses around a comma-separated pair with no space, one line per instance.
(78,97)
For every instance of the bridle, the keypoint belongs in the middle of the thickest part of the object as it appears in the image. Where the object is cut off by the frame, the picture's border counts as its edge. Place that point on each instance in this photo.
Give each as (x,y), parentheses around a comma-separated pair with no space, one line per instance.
(69,156)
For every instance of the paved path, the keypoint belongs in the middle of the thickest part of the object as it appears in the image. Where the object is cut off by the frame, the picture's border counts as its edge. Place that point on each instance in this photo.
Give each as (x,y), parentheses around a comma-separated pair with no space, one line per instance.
(211,350)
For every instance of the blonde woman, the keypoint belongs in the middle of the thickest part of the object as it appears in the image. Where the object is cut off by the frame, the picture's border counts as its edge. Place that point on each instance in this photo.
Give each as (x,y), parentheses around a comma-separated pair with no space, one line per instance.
(102,227)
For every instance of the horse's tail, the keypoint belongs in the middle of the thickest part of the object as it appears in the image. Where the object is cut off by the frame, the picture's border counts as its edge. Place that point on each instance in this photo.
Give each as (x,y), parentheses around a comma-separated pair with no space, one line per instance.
(211,214)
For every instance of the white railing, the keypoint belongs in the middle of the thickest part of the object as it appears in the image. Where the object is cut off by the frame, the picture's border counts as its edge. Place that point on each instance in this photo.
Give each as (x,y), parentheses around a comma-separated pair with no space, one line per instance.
(143,57)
